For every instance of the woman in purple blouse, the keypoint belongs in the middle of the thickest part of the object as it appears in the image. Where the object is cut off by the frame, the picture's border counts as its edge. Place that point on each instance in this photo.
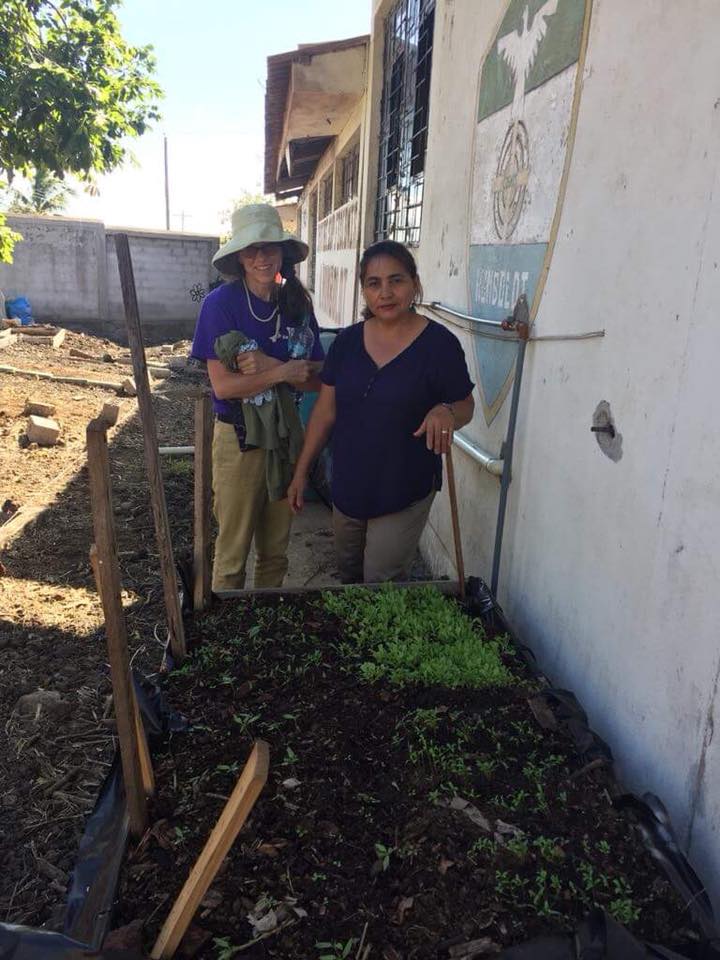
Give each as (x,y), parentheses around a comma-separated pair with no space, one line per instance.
(394,388)
(283,346)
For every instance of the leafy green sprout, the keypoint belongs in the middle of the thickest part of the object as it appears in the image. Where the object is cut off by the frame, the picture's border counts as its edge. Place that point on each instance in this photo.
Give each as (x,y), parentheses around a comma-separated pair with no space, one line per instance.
(337,949)
(417,636)
(383,853)
(224,949)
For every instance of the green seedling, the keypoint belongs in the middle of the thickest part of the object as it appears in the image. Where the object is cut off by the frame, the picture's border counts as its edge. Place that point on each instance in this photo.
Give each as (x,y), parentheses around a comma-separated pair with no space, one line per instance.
(335,949)
(418,637)
(225,949)
(383,854)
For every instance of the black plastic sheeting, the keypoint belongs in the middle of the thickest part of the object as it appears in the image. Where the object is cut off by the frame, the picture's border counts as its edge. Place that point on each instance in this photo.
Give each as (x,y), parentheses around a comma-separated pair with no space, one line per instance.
(598,937)
(94,882)
(93,886)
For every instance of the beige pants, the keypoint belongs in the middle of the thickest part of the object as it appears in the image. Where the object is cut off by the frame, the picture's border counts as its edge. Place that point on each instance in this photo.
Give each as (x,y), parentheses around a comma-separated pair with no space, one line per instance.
(373,551)
(244,512)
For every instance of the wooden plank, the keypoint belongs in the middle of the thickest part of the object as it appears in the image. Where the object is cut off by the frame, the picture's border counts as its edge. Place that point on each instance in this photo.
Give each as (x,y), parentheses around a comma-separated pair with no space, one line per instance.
(17,523)
(203,503)
(452,493)
(234,815)
(152,458)
(146,768)
(44,375)
(36,330)
(449,587)
(103,557)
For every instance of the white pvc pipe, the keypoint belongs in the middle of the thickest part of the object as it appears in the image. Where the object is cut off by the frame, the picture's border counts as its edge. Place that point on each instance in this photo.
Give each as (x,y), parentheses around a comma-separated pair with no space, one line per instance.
(493,465)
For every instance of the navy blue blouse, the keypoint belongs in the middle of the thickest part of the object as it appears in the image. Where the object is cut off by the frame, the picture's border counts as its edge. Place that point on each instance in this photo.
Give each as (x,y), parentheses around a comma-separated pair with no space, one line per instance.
(378,466)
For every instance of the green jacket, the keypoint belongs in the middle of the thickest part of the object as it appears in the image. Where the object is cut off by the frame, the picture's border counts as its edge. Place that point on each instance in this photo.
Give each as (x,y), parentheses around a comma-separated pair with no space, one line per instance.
(274,426)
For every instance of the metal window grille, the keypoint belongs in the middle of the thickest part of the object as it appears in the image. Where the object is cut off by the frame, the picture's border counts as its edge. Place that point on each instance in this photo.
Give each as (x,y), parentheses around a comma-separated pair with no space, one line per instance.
(326,196)
(312,238)
(349,173)
(407,65)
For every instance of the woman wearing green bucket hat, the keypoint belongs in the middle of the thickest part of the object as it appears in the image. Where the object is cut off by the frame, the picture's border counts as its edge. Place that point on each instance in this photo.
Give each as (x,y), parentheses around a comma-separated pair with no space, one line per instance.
(279,344)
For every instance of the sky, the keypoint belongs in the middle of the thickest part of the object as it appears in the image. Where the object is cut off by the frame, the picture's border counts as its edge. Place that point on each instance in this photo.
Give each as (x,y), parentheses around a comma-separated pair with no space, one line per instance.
(211,63)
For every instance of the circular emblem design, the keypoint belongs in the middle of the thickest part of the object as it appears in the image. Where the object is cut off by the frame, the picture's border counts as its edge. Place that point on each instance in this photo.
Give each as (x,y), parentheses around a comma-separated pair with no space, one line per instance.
(511,180)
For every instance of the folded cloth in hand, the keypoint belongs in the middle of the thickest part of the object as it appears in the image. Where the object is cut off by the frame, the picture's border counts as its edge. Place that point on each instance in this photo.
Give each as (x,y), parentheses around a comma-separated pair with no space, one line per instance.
(274,425)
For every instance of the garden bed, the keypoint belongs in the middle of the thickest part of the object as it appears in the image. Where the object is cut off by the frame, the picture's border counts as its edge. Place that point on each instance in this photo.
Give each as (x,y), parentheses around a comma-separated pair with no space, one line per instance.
(419,797)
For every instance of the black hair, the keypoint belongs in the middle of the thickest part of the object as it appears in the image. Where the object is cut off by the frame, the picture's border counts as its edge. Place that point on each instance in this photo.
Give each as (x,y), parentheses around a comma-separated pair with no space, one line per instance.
(388,248)
(293,299)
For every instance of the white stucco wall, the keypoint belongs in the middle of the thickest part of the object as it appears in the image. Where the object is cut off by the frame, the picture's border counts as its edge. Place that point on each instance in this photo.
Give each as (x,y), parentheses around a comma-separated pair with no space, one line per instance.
(68,270)
(609,570)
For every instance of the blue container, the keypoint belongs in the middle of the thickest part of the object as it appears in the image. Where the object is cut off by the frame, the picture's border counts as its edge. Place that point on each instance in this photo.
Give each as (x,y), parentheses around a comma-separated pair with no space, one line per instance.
(19,309)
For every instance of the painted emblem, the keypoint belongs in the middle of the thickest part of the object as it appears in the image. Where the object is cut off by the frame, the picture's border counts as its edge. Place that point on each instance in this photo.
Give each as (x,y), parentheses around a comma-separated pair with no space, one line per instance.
(527,109)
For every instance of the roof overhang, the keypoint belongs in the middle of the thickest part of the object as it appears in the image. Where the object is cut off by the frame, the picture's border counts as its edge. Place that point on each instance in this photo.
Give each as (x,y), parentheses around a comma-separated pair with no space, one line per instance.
(310,93)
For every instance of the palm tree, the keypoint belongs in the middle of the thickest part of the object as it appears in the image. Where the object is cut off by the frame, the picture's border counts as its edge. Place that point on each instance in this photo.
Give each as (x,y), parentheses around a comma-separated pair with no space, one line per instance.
(46,194)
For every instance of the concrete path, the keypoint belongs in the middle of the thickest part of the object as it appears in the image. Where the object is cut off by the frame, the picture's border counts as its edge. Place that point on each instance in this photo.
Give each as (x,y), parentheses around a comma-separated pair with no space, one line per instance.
(311,552)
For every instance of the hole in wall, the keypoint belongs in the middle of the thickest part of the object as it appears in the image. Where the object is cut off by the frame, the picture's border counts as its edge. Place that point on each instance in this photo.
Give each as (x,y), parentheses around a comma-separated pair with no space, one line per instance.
(609,439)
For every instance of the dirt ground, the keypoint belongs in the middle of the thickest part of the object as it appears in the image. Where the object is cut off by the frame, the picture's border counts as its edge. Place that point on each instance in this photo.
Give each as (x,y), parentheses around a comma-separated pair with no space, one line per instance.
(58,743)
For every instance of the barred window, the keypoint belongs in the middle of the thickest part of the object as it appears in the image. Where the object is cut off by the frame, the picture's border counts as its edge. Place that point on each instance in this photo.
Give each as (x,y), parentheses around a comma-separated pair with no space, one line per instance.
(350,165)
(326,197)
(312,238)
(407,64)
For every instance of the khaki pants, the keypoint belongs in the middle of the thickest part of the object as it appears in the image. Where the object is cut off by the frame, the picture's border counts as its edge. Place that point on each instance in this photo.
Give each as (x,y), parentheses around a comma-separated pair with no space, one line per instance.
(244,512)
(373,551)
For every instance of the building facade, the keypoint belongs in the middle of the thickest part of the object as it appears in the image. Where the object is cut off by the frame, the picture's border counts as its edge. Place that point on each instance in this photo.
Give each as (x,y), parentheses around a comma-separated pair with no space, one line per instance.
(567,150)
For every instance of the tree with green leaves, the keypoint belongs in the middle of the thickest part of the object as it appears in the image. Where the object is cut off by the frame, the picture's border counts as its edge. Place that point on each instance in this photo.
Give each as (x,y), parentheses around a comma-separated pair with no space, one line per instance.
(46,193)
(71,90)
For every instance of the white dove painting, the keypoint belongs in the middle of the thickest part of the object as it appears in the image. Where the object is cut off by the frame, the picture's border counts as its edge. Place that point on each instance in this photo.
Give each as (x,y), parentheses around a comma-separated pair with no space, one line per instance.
(526,112)
(519,49)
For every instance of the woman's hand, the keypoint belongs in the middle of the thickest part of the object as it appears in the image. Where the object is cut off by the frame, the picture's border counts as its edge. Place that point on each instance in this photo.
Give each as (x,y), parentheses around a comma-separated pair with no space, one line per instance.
(295,492)
(297,372)
(438,428)
(254,361)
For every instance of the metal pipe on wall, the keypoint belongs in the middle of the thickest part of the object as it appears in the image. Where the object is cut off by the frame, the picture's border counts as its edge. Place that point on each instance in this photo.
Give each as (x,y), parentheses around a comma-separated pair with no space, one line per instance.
(520,320)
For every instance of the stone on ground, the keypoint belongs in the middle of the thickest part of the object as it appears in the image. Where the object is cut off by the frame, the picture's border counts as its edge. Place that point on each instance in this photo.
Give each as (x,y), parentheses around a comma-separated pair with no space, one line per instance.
(39,407)
(128,387)
(43,431)
(48,702)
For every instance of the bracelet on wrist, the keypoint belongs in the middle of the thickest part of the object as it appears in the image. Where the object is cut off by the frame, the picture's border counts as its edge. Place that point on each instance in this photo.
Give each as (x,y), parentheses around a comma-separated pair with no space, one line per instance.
(449,407)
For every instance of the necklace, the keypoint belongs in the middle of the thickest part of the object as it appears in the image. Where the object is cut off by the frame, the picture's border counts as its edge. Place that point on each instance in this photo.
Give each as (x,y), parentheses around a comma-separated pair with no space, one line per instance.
(276,313)
(252,312)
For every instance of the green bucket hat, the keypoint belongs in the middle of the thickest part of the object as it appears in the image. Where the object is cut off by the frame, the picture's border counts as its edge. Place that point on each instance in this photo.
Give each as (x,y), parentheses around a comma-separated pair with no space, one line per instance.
(256,223)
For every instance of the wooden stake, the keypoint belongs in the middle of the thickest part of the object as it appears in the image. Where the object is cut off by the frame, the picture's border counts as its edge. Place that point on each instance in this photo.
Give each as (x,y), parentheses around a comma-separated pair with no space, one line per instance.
(459,562)
(203,502)
(234,815)
(103,557)
(152,459)
(146,768)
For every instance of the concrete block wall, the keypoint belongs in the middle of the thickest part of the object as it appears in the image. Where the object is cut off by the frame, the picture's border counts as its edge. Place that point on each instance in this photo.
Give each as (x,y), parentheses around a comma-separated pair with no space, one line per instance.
(166,267)
(68,270)
(56,267)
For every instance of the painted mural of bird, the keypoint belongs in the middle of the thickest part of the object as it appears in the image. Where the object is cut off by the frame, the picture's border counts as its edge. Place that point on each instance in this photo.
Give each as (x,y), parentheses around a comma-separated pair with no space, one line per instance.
(520,48)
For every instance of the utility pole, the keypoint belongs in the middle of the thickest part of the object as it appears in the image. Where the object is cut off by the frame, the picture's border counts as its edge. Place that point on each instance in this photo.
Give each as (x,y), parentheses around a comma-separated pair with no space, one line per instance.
(167,185)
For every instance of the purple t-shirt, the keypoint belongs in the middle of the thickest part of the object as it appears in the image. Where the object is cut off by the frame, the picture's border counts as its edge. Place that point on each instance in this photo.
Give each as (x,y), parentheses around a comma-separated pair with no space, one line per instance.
(226,308)
(379,467)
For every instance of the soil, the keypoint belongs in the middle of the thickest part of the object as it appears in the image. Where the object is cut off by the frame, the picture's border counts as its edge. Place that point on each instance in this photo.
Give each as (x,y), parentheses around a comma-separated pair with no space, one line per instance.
(51,625)
(51,635)
(408,819)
